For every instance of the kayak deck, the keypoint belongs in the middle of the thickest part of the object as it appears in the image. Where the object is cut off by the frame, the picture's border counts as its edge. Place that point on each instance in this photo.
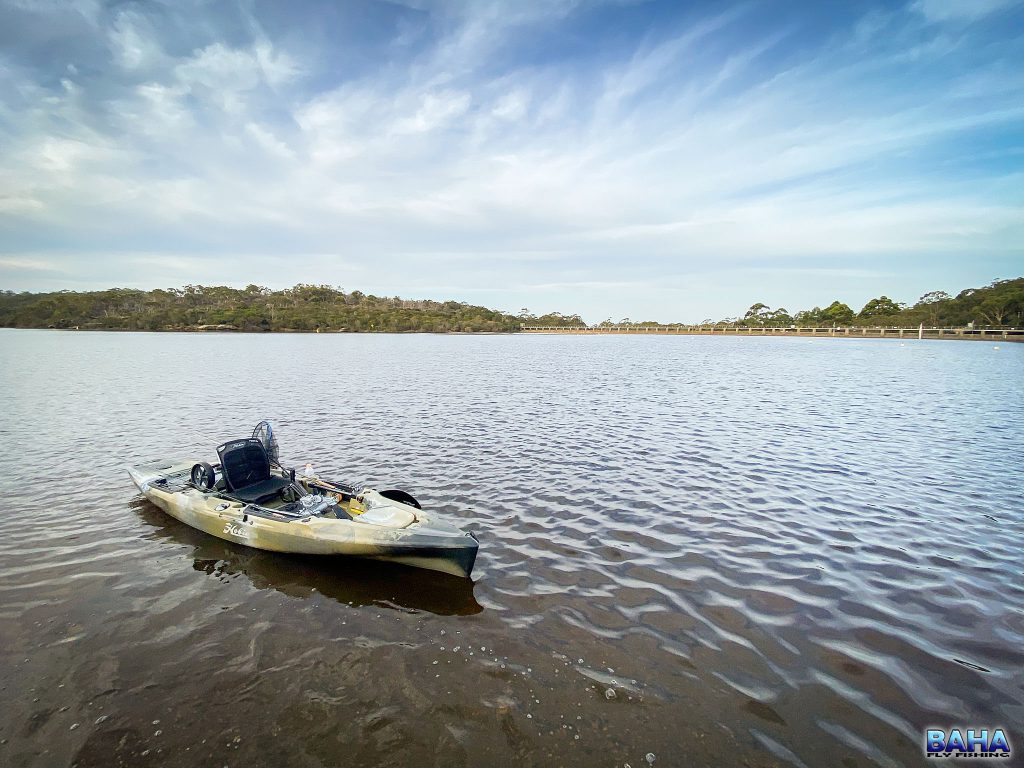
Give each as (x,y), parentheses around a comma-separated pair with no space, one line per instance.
(363,524)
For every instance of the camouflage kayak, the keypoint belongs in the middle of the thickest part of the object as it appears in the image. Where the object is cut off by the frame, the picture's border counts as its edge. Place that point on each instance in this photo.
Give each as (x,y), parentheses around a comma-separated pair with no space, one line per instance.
(259,504)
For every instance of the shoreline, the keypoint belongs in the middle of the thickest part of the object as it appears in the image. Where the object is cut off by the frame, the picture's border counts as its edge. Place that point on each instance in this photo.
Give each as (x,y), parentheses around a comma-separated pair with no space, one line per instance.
(893,334)
(1010,335)
(239,331)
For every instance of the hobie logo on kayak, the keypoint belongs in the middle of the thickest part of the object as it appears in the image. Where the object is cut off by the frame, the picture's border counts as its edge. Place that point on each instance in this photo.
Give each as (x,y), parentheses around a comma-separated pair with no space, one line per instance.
(235,529)
(969,743)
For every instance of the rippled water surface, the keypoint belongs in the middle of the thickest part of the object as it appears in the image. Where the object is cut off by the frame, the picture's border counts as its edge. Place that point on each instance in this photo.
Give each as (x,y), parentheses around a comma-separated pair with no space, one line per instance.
(719,551)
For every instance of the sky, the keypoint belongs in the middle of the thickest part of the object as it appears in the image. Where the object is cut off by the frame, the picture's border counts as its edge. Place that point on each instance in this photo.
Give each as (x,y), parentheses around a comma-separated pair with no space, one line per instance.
(668,161)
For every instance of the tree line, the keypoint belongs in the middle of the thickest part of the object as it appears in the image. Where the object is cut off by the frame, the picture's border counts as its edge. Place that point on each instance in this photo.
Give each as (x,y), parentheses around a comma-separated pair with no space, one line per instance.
(999,304)
(255,308)
(329,308)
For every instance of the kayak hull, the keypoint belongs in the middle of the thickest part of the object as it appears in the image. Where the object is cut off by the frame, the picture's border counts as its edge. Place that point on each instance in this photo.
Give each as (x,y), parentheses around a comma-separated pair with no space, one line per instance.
(428,543)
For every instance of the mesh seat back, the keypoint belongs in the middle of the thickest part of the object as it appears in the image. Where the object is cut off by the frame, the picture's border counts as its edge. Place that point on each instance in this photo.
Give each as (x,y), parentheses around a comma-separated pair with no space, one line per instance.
(243,463)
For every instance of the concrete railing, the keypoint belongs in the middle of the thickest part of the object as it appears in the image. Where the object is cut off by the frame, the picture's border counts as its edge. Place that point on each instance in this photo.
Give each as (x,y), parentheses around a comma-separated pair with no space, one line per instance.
(967,334)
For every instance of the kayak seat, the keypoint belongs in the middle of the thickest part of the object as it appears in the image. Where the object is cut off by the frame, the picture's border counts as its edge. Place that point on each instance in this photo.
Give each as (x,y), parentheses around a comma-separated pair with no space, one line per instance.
(245,468)
(261,492)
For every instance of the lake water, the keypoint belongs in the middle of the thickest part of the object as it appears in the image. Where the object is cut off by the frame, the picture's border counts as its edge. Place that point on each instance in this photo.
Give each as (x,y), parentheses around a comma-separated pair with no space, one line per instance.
(716,551)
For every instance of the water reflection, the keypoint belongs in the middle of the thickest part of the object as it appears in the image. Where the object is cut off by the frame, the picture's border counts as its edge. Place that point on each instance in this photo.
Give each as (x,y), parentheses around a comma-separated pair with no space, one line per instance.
(352,581)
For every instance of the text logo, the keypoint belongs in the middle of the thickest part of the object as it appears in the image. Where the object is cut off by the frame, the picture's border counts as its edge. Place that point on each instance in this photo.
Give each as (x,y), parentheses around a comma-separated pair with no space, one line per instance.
(966,742)
(234,529)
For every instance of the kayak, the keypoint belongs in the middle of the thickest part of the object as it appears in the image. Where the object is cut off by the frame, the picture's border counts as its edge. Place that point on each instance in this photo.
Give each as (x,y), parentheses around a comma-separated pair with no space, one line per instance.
(250,499)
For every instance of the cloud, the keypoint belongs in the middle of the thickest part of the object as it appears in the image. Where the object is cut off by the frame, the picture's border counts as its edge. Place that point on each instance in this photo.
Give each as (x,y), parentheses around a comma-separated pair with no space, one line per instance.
(435,110)
(570,146)
(28,265)
(133,43)
(946,10)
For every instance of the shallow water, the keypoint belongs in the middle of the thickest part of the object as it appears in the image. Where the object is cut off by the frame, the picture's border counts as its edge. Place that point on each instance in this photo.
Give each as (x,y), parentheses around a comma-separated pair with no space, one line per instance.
(719,551)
